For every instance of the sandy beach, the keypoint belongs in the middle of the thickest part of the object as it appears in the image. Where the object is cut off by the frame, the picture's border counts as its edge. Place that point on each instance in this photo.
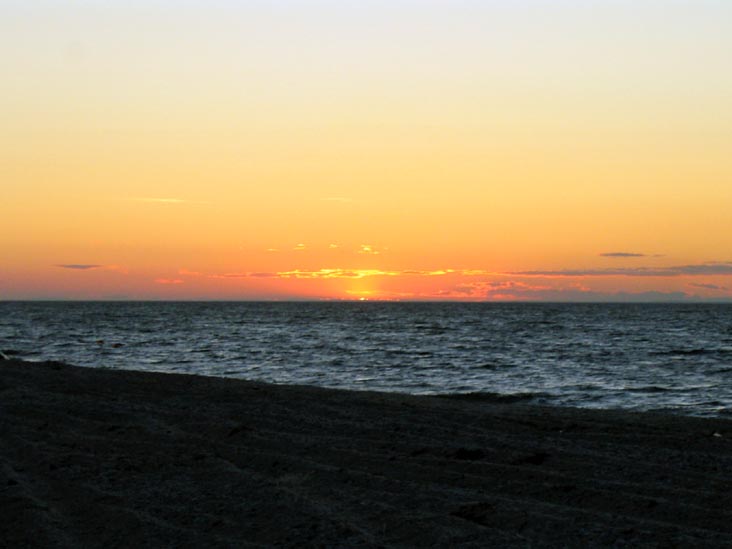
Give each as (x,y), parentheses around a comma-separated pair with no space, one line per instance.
(92,458)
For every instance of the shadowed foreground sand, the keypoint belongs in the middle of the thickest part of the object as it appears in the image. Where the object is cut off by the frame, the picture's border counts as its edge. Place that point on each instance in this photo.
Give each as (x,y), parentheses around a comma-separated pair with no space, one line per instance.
(122,459)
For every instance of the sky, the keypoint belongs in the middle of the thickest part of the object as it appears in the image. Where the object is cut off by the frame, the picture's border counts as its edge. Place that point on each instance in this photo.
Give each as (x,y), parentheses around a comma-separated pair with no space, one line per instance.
(558,150)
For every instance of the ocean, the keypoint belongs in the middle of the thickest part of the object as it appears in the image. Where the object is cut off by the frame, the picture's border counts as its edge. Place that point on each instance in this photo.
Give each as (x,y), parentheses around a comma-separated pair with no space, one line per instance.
(657,357)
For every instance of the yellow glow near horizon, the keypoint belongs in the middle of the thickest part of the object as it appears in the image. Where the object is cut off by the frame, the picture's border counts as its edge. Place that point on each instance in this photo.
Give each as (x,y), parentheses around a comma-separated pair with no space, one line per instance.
(404,150)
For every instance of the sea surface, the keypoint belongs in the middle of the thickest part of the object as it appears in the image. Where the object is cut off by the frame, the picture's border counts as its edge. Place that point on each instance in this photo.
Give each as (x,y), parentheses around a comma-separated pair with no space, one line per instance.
(661,357)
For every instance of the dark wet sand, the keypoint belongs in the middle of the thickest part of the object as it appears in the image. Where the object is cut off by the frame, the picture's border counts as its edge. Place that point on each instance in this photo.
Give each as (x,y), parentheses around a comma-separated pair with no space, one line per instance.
(100,458)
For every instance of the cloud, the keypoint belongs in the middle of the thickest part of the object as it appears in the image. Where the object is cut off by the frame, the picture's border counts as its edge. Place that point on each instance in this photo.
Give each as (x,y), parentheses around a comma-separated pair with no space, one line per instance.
(235,275)
(333,246)
(622,254)
(477,272)
(168,281)
(494,289)
(706,269)
(520,291)
(439,272)
(336,273)
(299,247)
(368,250)
(709,286)
(327,273)
(80,266)
(703,269)
(302,274)
(469,285)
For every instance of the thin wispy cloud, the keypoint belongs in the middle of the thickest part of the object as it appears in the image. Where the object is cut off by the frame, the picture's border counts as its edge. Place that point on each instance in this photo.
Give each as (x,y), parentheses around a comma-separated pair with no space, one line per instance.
(223,275)
(709,287)
(622,254)
(477,272)
(300,247)
(80,266)
(712,269)
(703,269)
(169,281)
(438,272)
(368,249)
(336,273)
(241,275)
(321,273)
(342,273)
(120,269)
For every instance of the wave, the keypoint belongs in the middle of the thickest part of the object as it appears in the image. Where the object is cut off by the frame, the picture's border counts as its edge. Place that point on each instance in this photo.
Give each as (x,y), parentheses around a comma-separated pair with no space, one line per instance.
(11,352)
(693,352)
(495,365)
(648,389)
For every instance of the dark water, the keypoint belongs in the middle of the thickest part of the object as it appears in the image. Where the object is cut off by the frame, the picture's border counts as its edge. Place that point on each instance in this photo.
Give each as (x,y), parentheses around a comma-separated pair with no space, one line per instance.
(648,357)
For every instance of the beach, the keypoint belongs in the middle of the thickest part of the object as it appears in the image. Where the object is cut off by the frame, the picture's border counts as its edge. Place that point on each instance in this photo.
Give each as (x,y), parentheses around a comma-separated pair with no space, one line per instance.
(98,457)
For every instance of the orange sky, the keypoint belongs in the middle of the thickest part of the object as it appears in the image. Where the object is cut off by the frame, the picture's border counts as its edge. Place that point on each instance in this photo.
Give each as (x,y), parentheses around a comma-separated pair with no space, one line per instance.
(524,150)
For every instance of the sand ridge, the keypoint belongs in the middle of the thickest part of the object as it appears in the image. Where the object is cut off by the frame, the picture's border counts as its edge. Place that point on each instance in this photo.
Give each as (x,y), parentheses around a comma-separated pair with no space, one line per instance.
(93,457)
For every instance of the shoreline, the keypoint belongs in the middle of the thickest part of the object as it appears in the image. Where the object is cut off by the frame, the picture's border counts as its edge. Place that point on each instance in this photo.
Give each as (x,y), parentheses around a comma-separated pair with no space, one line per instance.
(528,398)
(94,457)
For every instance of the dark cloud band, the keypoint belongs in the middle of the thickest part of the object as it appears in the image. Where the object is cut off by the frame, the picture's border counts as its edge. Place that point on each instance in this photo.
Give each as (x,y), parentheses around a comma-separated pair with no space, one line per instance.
(80,266)
(705,269)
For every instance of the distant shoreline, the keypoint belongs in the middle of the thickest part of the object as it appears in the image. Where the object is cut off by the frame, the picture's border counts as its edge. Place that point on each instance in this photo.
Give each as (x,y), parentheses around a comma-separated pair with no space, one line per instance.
(96,456)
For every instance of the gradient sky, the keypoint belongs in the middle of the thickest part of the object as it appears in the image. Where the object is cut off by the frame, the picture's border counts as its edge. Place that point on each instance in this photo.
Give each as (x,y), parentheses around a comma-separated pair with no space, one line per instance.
(282,149)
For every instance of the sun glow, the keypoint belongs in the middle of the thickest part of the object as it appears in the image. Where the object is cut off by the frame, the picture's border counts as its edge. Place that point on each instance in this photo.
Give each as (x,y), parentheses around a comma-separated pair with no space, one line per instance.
(413,150)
